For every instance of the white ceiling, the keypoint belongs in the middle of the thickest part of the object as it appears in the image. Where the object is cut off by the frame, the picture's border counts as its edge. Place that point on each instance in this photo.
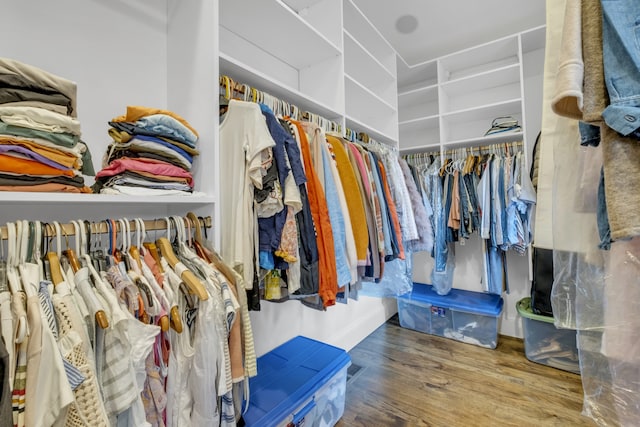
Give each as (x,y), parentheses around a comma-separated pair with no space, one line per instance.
(445,26)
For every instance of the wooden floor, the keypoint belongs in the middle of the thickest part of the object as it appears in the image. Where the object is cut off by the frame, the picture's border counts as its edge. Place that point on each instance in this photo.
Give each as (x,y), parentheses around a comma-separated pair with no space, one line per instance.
(413,379)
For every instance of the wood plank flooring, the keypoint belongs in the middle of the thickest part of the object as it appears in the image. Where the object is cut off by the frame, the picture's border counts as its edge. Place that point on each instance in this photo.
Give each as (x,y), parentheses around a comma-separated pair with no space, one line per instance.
(413,379)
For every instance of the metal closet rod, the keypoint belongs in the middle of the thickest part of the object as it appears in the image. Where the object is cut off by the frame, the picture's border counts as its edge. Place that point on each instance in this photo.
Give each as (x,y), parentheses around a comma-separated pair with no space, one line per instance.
(468,149)
(235,87)
(100,227)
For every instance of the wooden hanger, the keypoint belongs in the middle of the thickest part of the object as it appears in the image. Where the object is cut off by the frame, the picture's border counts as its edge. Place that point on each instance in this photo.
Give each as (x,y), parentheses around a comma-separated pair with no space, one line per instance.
(196,224)
(164,321)
(193,283)
(93,302)
(133,249)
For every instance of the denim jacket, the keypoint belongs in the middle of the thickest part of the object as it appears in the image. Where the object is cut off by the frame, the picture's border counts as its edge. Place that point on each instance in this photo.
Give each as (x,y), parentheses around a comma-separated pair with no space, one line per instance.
(621,52)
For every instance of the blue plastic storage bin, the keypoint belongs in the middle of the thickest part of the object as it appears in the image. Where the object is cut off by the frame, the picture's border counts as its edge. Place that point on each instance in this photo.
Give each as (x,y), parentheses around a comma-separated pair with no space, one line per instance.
(470,317)
(301,382)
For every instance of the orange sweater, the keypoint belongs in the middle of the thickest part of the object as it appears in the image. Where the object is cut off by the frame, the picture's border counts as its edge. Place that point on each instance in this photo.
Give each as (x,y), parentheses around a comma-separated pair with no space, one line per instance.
(354,199)
(328,280)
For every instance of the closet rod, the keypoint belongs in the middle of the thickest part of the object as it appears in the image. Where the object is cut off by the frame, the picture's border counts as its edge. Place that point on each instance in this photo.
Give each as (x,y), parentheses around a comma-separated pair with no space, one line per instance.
(468,149)
(229,84)
(101,227)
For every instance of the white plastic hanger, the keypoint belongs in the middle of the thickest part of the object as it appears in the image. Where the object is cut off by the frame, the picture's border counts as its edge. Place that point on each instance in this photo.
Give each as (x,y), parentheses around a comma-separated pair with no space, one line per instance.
(13,280)
(29,271)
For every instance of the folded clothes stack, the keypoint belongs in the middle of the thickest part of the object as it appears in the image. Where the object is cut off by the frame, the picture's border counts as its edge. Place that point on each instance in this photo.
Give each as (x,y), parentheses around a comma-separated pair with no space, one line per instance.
(40,146)
(503,124)
(151,153)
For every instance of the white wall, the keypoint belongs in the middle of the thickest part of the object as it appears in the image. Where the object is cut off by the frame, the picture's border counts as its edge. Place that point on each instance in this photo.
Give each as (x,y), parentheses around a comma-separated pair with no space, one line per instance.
(341,325)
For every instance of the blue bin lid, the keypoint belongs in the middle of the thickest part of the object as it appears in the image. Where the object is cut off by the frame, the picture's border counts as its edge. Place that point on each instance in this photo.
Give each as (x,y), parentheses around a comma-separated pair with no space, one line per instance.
(288,376)
(457,299)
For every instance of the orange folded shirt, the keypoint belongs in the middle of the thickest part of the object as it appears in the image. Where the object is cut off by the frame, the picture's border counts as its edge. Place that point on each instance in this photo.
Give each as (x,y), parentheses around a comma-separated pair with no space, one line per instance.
(46,188)
(29,167)
(53,154)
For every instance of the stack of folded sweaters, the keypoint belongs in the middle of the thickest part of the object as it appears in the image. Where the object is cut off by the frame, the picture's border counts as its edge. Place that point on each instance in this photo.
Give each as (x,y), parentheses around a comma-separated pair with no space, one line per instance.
(40,146)
(151,153)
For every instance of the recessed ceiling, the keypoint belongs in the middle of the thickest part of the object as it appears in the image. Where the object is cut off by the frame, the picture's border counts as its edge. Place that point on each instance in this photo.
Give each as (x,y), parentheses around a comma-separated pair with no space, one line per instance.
(445,26)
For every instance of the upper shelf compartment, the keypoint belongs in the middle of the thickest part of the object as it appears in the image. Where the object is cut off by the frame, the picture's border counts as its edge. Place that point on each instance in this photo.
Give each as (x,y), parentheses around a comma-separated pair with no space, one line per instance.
(476,60)
(296,47)
(360,64)
(280,21)
(361,29)
(244,73)
(416,76)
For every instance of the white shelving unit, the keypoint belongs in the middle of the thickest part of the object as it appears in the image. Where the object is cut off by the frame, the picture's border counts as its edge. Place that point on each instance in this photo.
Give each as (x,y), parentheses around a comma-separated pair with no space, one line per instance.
(450,102)
(345,74)
(175,70)
(303,55)
(301,52)
(371,94)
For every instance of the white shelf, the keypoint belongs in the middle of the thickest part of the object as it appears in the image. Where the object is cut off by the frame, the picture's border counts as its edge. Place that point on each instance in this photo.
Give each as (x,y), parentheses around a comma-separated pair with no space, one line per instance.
(425,148)
(246,74)
(496,109)
(65,198)
(419,123)
(418,103)
(419,91)
(416,76)
(489,87)
(380,136)
(485,79)
(485,140)
(477,59)
(307,47)
(359,26)
(356,88)
(360,63)
(300,5)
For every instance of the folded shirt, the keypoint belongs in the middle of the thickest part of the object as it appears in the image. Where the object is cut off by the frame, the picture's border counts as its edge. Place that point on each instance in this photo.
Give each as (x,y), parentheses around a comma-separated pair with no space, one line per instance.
(135,113)
(168,125)
(12,94)
(42,79)
(116,152)
(47,188)
(155,145)
(63,141)
(60,109)
(155,167)
(69,159)
(67,140)
(26,180)
(40,119)
(154,178)
(123,132)
(139,182)
(20,152)
(141,191)
(30,167)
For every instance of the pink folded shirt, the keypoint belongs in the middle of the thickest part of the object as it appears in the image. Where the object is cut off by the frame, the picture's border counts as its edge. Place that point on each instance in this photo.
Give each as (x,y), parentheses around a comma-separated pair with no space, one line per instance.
(152,166)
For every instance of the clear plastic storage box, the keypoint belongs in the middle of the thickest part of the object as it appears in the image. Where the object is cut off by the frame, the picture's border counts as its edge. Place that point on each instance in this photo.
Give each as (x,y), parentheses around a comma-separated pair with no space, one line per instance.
(301,382)
(470,317)
(544,343)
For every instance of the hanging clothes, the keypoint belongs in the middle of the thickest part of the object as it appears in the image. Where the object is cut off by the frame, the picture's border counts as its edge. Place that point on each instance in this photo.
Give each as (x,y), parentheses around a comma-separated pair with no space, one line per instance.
(245,143)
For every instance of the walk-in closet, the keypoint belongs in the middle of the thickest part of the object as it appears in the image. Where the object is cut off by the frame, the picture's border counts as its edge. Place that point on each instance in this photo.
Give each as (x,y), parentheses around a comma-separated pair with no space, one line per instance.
(319,212)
